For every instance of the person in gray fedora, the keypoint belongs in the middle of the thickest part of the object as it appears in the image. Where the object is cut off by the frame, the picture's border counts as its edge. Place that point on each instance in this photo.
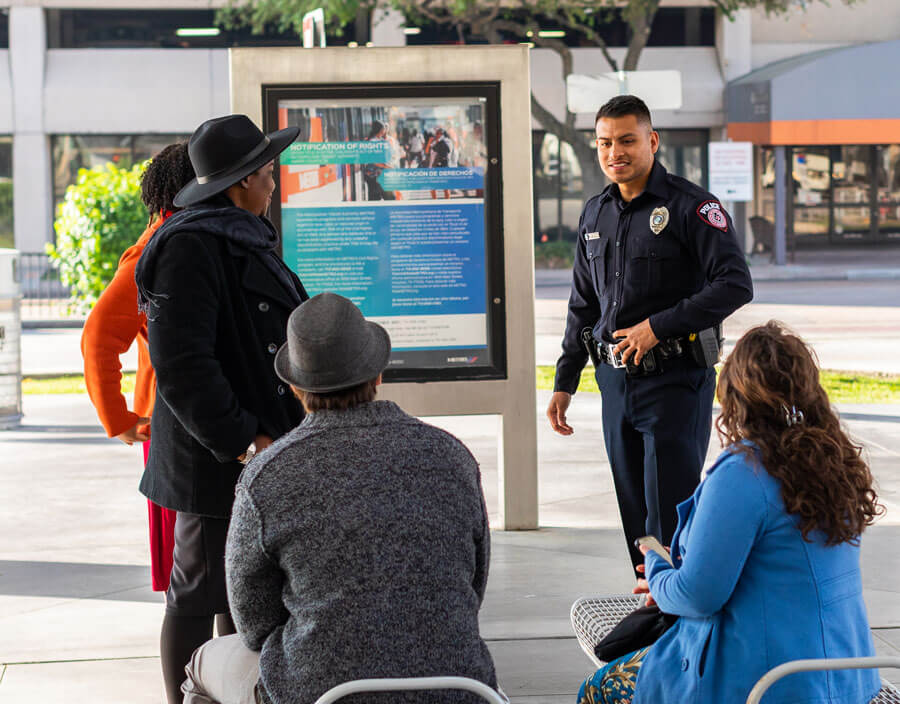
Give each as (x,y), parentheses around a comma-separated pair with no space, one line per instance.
(359,541)
(217,298)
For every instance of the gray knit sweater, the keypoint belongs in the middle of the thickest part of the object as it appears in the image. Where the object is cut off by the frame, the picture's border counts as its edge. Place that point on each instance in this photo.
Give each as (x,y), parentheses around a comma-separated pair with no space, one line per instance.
(359,548)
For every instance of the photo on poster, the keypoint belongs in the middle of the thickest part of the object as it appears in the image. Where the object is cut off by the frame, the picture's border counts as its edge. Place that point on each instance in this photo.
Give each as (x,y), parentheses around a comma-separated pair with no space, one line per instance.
(415,151)
(384,201)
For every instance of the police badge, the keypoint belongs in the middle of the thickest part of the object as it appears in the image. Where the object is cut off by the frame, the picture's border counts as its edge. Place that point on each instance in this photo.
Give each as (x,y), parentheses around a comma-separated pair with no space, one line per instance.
(659,218)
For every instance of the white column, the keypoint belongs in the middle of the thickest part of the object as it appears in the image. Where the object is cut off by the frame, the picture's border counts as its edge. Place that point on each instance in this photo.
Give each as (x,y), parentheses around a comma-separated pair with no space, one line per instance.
(32,189)
(387,27)
(782,188)
(734,40)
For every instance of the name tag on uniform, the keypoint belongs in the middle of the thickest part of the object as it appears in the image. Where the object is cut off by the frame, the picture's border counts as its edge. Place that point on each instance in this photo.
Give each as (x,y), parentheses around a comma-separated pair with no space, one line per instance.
(592,235)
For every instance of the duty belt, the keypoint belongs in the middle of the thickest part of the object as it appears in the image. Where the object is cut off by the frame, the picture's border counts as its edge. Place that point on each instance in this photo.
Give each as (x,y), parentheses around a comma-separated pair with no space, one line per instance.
(604,353)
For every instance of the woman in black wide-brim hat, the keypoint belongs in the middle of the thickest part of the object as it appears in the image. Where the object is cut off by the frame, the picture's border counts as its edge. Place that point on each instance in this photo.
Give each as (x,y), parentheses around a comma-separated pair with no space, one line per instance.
(217,298)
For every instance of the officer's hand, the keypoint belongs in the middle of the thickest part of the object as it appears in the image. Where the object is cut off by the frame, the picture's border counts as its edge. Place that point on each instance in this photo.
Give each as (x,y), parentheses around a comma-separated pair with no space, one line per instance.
(638,340)
(556,412)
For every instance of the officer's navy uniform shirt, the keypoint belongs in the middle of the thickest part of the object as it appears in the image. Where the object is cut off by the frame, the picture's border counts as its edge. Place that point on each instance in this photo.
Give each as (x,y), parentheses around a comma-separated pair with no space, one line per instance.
(689,277)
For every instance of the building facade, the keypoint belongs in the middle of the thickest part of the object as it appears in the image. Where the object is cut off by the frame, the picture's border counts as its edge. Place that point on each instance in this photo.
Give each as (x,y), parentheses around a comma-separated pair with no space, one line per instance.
(116,82)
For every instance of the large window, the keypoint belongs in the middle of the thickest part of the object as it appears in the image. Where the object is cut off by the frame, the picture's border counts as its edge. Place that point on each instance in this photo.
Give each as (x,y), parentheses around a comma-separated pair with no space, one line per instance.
(188,29)
(6,193)
(672,26)
(74,152)
(4,28)
(887,169)
(561,185)
(838,193)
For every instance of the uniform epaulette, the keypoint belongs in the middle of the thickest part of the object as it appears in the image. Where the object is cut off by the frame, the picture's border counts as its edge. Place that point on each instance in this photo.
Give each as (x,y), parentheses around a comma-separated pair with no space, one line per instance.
(689,188)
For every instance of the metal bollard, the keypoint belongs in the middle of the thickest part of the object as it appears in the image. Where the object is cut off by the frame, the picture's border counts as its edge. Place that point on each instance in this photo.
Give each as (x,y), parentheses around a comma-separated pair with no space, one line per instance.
(10,340)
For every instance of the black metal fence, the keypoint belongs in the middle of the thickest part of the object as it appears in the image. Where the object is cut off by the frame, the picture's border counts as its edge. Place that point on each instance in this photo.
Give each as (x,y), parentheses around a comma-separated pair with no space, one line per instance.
(44,296)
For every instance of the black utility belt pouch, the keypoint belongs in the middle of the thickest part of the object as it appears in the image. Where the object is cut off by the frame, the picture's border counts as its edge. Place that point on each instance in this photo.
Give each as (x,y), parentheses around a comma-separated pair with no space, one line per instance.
(590,344)
(706,346)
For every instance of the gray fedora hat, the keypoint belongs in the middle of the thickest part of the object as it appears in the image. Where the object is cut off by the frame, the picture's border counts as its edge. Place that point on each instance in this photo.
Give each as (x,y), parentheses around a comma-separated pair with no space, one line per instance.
(331,346)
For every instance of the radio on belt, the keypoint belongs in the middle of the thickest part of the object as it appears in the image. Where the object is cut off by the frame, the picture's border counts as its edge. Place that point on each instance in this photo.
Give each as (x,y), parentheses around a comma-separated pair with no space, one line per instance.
(706,346)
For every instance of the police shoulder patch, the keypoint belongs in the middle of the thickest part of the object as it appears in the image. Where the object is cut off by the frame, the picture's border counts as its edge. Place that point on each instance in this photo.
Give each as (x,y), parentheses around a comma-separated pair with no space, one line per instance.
(711,213)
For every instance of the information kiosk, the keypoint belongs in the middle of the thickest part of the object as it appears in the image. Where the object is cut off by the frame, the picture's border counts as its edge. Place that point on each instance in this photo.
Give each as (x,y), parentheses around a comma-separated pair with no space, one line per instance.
(409,192)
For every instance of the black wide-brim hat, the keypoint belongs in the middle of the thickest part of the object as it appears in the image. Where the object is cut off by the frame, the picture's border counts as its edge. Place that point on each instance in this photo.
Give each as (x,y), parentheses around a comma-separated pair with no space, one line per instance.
(331,346)
(226,149)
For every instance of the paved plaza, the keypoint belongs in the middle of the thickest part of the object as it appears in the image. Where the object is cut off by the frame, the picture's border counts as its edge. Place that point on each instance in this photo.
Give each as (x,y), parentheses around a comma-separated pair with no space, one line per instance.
(78,621)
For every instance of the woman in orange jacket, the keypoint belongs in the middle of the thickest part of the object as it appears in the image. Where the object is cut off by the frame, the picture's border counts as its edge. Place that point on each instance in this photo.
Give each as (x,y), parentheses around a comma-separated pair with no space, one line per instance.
(109,332)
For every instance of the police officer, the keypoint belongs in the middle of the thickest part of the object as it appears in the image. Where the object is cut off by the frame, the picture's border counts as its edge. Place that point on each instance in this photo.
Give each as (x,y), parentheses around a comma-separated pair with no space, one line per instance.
(657,270)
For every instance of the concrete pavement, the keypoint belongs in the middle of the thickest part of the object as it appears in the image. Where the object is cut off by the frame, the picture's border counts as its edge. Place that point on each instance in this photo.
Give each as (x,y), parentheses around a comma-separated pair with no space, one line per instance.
(78,621)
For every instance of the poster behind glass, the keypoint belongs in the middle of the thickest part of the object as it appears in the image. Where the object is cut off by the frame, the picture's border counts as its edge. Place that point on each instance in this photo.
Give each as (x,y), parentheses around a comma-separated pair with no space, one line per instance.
(384,201)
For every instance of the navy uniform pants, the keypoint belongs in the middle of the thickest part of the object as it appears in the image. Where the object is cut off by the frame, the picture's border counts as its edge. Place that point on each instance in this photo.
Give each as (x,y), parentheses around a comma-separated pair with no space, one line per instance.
(656,430)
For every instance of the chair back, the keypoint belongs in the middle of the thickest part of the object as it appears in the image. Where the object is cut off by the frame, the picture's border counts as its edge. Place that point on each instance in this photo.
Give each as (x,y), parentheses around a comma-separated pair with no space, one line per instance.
(396,684)
(887,695)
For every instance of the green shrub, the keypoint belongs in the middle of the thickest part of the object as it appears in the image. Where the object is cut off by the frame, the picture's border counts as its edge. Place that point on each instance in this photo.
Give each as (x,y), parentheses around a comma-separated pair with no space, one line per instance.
(101,216)
(554,255)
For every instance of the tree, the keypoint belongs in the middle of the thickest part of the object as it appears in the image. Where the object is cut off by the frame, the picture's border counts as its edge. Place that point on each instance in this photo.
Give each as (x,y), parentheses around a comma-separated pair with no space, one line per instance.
(101,216)
(497,21)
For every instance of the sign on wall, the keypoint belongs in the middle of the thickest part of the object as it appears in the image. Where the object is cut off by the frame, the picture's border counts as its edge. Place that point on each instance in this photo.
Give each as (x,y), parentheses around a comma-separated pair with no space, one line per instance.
(314,28)
(731,170)
(392,201)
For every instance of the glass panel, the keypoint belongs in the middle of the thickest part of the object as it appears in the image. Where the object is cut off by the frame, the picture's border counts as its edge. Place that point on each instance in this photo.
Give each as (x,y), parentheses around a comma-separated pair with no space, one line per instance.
(6,193)
(672,26)
(812,175)
(851,173)
(683,152)
(4,28)
(810,221)
(683,26)
(889,173)
(74,152)
(547,187)
(852,222)
(146,145)
(176,29)
(889,218)
(684,161)
(767,184)
(571,188)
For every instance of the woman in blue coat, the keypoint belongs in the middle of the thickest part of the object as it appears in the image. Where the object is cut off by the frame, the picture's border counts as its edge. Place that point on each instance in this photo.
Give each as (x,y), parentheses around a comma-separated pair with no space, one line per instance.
(766,554)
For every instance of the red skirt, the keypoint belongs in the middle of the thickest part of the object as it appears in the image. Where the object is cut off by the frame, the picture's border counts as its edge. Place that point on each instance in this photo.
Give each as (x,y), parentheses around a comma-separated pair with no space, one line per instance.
(162,539)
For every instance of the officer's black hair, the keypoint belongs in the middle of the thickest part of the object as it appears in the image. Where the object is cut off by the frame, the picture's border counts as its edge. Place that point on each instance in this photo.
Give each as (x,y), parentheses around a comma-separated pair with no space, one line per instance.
(166,174)
(623,105)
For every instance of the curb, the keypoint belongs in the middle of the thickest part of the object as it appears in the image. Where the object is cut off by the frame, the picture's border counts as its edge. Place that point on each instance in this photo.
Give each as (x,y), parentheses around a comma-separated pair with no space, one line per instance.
(825,275)
(74,324)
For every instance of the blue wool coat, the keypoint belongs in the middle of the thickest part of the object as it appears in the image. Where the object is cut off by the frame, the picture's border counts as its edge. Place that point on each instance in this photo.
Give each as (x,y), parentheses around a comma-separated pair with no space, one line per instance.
(752,594)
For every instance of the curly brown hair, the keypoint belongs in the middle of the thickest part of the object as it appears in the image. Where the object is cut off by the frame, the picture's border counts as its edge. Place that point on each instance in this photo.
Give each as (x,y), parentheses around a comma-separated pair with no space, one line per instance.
(166,174)
(825,482)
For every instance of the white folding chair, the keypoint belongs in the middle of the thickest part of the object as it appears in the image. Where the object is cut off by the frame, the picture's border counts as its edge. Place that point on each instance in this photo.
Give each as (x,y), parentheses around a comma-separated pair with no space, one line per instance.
(888,694)
(594,616)
(396,684)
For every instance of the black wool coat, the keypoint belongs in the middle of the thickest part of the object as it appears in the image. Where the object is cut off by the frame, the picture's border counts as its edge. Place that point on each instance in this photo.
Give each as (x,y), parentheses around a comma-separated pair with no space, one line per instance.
(217,319)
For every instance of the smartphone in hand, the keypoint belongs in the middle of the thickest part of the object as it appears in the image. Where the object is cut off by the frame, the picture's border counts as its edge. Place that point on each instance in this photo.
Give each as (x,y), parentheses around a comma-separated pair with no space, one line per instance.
(651,542)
